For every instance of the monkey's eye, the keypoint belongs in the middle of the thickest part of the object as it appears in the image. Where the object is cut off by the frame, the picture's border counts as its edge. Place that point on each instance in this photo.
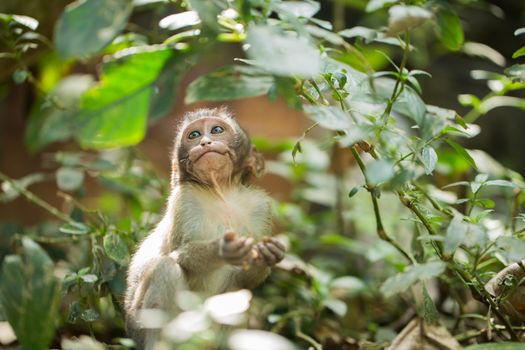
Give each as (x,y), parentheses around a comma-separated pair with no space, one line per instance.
(217,129)
(194,134)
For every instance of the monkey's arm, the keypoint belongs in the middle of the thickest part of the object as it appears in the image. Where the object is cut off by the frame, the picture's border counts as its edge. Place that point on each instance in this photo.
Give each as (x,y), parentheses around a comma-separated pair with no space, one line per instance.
(202,257)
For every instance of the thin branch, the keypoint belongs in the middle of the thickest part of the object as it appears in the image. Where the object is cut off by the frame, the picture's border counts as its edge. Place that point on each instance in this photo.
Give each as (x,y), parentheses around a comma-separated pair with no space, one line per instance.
(30,196)
(379,223)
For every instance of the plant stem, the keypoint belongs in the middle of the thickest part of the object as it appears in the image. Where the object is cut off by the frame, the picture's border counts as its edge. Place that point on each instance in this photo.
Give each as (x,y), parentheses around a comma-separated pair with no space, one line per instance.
(379,223)
(30,196)
(306,337)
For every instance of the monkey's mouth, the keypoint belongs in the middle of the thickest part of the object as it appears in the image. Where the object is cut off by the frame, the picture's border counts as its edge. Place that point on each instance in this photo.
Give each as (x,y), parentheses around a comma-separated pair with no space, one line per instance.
(208,151)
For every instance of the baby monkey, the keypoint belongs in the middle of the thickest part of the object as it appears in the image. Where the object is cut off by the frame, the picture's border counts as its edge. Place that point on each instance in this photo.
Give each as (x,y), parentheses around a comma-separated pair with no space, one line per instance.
(212,236)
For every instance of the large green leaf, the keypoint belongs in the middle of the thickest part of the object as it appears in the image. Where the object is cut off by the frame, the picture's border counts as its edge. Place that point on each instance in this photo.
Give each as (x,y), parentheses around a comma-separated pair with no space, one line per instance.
(165,89)
(116,248)
(52,120)
(86,27)
(115,111)
(229,83)
(208,11)
(449,28)
(29,296)
(282,53)
(401,282)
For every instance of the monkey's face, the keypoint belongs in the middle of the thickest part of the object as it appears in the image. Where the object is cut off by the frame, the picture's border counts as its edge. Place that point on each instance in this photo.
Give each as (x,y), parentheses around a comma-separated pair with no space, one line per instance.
(206,142)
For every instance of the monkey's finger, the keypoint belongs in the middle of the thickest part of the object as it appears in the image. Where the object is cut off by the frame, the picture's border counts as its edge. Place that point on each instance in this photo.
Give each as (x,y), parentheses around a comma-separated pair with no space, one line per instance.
(241,251)
(235,244)
(277,252)
(267,254)
(277,243)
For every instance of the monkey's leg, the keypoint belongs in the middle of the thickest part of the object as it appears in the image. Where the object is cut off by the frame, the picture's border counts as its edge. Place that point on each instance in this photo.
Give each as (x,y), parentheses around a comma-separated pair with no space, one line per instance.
(162,281)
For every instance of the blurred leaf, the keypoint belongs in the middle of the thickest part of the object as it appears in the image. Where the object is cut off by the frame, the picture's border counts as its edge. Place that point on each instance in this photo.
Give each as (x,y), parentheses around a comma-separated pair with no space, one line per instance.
(449,28)
(84,342)
(29,296)
(516,72)
(285,87)
(86,27)
(430,313)
(353,191)
(501,183)
(180,20)
(208,11)
(496,346)
(401,18)
(429,159)
(519,31)
(69,179)
(258,340)
(329,117)
(374,5)
(26,21)
(401,282)
(52,119)
(520,52)
(512,248)
(462,152)
(484,51)
(289,54)
(165,88)
(380,171)
(350,285)
(305,9)
(337,306)
(114,112)
(456,232)
(75,228)
(116,248)
(229,83)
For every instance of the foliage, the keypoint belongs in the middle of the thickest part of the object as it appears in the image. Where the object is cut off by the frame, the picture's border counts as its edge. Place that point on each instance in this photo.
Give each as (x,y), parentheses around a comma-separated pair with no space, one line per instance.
(461,213)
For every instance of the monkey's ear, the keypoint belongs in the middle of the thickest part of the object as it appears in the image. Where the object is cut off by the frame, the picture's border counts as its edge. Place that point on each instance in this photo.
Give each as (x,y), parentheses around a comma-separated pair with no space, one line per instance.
(254,163)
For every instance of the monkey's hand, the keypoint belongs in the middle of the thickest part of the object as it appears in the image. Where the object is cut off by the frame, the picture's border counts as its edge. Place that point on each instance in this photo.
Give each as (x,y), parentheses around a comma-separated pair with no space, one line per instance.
(269,252)
(235,250)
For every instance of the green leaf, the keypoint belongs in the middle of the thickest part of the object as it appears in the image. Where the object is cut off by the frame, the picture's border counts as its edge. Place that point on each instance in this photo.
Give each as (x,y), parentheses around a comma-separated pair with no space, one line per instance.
(401,282)
(86,27)
(114,112)
(512,248)
(374,5)
(380,171)
(29,296)
(401,18)
(449,28)
(90,315)
(229,83)
(429,159)
(116,248)
(285,87)
(516,72)
(430,313)
(69,179)
(353,191)
(501,183)
(496,346)
(520,52)
(305,9)
(456,232)
(329,117)
(288,54)
(52,119)
(180,20)
(462,152)
(75,228)
(519,31)
(165,88)
(208,11)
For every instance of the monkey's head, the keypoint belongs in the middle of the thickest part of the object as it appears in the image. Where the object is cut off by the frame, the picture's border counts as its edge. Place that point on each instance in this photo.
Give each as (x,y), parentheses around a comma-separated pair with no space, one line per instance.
(211,146)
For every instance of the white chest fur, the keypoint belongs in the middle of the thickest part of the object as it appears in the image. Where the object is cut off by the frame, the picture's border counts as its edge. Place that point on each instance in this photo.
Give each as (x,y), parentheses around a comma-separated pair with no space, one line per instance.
(244,211)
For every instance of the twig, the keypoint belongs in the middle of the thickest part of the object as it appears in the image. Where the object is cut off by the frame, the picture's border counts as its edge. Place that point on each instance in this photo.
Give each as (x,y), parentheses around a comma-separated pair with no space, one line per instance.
(306,337)
(30,196)
(379,223)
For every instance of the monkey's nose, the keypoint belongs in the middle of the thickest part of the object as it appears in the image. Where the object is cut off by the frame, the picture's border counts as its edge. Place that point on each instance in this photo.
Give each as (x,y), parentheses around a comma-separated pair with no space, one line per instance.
(205,141)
